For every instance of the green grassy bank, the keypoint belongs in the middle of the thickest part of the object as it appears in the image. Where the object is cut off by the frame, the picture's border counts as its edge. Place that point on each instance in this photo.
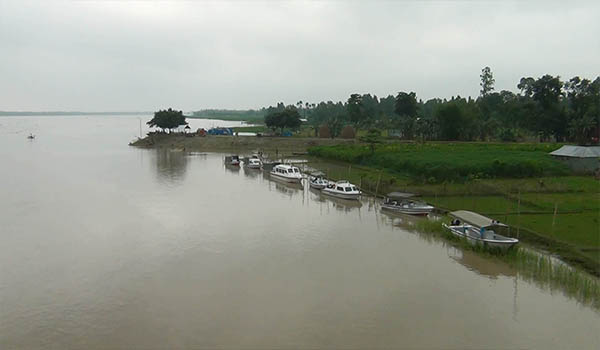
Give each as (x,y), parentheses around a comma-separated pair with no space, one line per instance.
(438,162)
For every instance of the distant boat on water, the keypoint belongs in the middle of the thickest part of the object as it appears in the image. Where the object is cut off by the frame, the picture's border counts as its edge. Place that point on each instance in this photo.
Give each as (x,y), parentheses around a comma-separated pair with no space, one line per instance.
(31,136)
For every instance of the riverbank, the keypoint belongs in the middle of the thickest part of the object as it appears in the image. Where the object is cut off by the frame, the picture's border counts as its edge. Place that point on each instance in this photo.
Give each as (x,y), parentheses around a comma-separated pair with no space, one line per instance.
(558,214)
(210,143)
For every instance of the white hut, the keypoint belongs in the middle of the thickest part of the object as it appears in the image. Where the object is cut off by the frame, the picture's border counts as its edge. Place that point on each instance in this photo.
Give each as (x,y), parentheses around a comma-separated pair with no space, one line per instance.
(581,159)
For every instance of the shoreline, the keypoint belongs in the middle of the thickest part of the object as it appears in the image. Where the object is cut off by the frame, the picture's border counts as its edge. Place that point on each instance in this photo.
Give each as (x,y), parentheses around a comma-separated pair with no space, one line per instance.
(379,181)
(235,143)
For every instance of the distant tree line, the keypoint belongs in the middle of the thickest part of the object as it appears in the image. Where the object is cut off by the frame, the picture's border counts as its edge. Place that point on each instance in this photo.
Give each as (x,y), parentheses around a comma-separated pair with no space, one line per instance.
(546,108)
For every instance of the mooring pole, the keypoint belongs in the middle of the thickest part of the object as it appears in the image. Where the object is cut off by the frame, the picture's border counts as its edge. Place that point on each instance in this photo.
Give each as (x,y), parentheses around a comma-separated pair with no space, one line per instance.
(554,217)
(519,214)
(377,187)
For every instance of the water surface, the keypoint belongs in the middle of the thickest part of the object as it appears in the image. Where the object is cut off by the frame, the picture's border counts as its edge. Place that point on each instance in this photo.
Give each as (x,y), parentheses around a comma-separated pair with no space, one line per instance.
(109,246)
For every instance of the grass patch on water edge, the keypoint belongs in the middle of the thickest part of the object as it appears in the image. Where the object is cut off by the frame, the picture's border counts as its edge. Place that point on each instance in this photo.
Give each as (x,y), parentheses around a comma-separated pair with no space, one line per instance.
(542,269)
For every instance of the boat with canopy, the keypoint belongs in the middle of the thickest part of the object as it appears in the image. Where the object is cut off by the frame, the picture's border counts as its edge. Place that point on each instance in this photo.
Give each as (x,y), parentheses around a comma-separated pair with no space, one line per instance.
(479,229)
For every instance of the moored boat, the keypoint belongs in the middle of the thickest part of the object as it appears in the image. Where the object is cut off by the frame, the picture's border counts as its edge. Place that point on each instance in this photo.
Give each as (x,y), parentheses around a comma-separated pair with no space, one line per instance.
(253,163)
(341,189)
(286,173)
(404,203)
(232,160)
(478,229)
(318,182)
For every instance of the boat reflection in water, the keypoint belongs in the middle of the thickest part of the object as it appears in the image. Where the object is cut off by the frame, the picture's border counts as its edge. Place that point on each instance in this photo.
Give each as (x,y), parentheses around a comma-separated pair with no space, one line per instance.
(346,205)
(232,168)
(481,265)
(251,172)
(287,188)
(398,219)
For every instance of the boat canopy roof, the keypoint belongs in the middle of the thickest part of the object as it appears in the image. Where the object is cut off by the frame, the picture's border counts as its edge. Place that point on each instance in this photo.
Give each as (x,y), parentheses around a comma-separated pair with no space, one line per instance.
(285,166)
(577,151)
(475,219)
(400,195)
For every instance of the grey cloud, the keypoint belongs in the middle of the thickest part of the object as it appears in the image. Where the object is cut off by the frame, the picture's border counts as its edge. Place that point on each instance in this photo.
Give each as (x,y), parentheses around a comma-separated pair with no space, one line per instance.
(123,55)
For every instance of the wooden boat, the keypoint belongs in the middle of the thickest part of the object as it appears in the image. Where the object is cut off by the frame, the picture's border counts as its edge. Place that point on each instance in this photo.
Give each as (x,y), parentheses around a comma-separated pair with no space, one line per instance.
(342,189)
(318,182)
(478,229)
(286,173)
(403,203)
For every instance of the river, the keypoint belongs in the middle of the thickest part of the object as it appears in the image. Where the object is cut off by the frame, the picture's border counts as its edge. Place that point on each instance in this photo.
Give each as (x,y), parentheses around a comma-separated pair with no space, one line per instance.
(107,246)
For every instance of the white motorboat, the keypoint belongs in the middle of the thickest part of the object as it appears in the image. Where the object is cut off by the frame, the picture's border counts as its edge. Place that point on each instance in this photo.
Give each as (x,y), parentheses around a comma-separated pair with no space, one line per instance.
(478,229)
(286,173)
(403,203)
(318,182)
(253,163)
(341,189)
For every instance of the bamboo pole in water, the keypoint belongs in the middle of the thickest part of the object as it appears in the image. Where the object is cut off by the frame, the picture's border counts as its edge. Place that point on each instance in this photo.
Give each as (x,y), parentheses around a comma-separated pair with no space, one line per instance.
(554,217)
(518,214)
(377,187)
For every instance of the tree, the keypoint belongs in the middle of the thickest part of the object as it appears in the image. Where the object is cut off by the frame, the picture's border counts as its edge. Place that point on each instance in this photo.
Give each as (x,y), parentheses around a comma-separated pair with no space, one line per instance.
(335,126)
(487,81)
(372,137)
(355,109)
(167,119)
(288,118)
(549,117)
(583,102)
(449,117)
(406,109)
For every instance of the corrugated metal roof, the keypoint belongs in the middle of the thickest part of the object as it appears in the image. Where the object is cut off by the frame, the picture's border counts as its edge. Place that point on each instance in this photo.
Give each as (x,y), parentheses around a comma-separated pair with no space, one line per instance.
(475,219)
(400,195)
(577,151)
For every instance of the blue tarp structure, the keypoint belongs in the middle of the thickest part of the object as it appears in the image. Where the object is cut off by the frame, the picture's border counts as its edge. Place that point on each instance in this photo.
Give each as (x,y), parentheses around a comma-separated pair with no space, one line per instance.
(220,131)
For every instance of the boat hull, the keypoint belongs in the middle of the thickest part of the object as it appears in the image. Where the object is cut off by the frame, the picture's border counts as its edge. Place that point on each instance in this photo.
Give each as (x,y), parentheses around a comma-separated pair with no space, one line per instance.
(496,242)
(349,196)
(285,178)
(409,211)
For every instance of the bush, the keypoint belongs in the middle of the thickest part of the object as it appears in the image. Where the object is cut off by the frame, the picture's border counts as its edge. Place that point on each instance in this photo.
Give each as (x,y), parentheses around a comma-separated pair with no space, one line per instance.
(324,132)
(348,132)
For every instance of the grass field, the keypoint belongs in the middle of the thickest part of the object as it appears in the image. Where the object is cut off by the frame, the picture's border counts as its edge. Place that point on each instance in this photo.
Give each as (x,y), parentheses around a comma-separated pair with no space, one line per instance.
(438,162)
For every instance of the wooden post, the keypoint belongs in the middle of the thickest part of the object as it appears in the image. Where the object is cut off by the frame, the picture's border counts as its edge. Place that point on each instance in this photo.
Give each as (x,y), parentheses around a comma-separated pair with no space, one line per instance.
(554,217)
(349,168)
(518,214)
(377,187)
(360,183)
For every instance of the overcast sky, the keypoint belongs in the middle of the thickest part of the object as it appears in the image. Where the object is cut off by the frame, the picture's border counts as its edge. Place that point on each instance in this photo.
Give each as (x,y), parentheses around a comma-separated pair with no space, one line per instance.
(145,55)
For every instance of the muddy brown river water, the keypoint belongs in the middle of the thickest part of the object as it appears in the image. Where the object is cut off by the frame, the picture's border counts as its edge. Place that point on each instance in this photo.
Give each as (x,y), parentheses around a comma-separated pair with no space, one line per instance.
(105,246)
